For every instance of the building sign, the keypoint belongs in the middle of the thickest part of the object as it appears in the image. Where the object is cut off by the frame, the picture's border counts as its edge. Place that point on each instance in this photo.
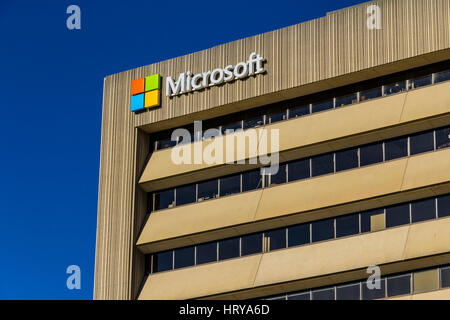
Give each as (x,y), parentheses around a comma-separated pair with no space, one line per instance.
(146,92)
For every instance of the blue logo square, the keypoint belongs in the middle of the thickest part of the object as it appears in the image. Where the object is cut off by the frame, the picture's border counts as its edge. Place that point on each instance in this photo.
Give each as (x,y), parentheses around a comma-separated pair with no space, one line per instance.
(137,102)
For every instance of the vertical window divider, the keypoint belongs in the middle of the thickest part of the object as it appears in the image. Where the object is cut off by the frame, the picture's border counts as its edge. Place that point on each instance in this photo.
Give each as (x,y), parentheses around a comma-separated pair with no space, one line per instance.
(175,196)
(218,187)
(287,238)
(310,167)
(196,192)
(358,96)
(384,151)
(217,251)
(310,233)
(240,246)
(334,103)
(310,108)
(195,255)
(409,145)
(433,78)
(334,162)
(173,260)
(436,207)
(410,212)
(359,157)
(434,140)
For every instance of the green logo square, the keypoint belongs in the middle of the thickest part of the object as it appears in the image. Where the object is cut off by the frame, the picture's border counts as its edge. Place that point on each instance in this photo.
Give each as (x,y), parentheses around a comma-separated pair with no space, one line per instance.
(152,82)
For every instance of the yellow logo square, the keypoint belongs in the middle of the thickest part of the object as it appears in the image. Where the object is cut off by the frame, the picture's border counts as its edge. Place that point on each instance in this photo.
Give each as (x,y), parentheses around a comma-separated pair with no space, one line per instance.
(152,99)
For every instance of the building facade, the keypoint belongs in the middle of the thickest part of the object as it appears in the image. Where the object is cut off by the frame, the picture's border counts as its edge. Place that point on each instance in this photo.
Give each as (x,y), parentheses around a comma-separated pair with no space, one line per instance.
(358,106)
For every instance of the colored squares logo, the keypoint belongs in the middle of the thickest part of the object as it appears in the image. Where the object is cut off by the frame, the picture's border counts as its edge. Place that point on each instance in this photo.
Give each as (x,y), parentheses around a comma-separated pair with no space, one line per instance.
(145,92)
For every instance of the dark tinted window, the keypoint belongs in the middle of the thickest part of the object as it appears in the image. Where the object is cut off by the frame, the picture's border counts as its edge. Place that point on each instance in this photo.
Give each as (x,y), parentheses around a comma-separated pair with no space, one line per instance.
(228,248)
(300,296)
(251,180)
(298,111)
(421,142)
(365,219)
(321,106)
(346,100)
(444,206)
(277,116)
(370,94)
(164,199)
(445,277)
(164,144)
(397,215)
(207,190)
(420,82)
(186,194)
(298,170)
(348,292)
(277,239)
(230,185)
(184,257)
(371,294)
(254,122)
(323,230)
(347,225)
(232,126)
(395,87)
(346,159)
(423,210)
(162,261)
(372,153)
(323,294)
(443,138)
(298,235)
(398,285)
(322,164)
(280,176)
(206,252)
(252,244)
(442,76)
(396,148)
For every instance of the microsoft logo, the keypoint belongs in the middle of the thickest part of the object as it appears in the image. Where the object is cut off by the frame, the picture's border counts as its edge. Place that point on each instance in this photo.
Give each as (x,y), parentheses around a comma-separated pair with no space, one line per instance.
(145,92)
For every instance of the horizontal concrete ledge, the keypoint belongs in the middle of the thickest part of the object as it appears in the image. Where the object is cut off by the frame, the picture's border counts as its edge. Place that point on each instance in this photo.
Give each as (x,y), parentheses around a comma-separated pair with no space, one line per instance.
(355,190)
(378,119)
(335,261)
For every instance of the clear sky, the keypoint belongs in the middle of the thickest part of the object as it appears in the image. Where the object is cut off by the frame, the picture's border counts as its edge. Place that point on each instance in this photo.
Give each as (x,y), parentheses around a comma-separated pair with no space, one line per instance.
(51,82)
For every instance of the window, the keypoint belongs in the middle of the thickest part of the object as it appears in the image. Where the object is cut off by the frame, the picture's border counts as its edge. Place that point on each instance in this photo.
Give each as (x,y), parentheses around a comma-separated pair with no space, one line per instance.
(298,111)
(251,180)
(444,206)
(321,106)
(229,248)
(421,142)
(348,292)
(322,164)
(397,215)
(442,76)
(186,194)
(398,285)
(396,148)
(395,87)
(347,159)
(252,244)
(230,185)
(232,126)
(323,294)
(164,144)
(425,281)
(207,190)
(347,225)
(184,257)
(163,261)
(420,82)
(276,239)
(372,220)
(346,100)
(298,170)
(370,94)
(253,122)
(423,210)
(375,292)
(442,138)
(445,277)
(298,235)
(300,296)
(206,252)
(283,297)
(277,116)
(372,153)
(164,199)
(322,230)
(279,177)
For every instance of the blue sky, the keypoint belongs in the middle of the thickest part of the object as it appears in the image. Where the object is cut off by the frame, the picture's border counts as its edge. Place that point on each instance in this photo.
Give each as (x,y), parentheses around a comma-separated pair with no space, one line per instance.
(51,82)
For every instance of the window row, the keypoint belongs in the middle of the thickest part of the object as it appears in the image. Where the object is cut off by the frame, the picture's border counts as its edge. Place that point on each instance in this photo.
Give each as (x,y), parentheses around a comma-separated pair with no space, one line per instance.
(302,234)
(400,284)
(304,168)
(310,108)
